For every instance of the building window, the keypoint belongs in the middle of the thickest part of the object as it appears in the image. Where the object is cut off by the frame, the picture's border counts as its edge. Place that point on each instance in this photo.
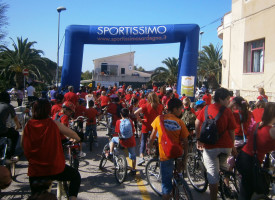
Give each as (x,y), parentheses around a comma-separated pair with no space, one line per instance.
(104,68)
(254,61)
(122,71)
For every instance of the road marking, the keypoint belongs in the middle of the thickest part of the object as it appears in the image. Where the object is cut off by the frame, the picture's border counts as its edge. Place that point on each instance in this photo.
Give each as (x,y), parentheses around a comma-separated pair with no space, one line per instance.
(141,186)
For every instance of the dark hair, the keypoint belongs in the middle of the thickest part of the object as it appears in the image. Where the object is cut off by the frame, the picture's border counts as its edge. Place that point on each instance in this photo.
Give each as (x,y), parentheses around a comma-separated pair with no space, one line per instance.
(124,112)
(134,101)
(174,103)
(59,98)
(5,97)
(91,103)
(41,109)
(221,93)
(269,114)
(241,102)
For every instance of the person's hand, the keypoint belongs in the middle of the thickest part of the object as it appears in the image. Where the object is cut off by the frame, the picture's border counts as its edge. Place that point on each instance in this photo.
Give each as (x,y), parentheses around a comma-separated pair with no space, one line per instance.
(200,145)
(18,126)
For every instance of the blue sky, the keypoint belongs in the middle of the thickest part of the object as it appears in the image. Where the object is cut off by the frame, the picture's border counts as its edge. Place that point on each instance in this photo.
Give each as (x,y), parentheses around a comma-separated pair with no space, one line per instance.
(37,20)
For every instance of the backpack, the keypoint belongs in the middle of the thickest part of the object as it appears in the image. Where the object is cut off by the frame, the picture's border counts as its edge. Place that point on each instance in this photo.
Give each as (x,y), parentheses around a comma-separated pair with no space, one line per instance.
(170,148)
(189,118)
(209,132)
(125,129)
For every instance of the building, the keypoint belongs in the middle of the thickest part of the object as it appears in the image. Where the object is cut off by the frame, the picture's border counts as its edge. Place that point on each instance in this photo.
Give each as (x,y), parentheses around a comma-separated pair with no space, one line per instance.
(118,69)
(248,34)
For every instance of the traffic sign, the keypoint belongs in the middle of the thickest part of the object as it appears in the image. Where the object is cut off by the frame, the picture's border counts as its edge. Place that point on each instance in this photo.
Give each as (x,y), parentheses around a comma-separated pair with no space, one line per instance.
(25,72)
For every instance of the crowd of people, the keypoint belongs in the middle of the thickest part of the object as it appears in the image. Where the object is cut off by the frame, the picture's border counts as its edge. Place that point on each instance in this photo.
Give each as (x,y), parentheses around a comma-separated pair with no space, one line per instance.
(44,134)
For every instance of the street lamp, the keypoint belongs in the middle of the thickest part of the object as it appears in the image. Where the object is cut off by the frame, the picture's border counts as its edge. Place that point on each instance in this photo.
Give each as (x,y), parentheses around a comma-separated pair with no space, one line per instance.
(59,10)
(201,33)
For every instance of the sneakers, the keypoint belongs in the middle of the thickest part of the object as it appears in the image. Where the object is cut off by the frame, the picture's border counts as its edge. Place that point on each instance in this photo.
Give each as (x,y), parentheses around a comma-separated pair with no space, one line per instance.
(110,157)
(14,159)
(133,172)
(141,161)
(81,154)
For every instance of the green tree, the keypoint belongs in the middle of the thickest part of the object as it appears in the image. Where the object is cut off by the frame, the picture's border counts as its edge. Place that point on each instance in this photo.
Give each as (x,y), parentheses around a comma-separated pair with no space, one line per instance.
(87,75)
(12,62)
(141,69)
(3,19)
(209,65)
(168,74)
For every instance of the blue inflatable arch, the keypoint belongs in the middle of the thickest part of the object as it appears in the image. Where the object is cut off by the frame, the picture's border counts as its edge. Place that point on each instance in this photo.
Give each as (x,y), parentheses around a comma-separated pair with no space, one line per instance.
(187,34)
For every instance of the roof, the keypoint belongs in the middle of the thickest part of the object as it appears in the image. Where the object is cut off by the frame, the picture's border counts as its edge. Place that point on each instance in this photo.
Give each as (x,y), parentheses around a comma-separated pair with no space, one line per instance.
(131,52)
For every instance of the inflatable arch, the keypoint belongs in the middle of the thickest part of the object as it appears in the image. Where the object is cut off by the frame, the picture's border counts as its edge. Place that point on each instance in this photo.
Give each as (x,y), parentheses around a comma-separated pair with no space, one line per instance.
(187,34)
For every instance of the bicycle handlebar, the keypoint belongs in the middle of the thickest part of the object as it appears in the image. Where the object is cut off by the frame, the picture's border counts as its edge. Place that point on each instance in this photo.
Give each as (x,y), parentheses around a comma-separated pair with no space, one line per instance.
(80,118)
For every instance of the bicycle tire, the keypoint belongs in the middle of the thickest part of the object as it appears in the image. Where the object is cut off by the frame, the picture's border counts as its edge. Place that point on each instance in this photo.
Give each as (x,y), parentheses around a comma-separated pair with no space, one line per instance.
(153,175)
(196,173)
(66,190)
(182,191)
(226,192)
(120,168)
(102,163)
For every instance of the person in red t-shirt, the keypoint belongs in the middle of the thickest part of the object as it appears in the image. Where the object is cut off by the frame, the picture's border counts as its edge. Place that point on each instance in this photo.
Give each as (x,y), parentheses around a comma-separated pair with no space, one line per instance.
(150,110)
(103,99)
(128,97)
(176,95)
(220,151)
(207,98)
(199,106)
(258,111)
(91,114)
(114,109)
(126,133)
(71,96)
(80,110)
(183,97)
(42,146)
(57,107)
(262,95)
(142,100)
(265,140)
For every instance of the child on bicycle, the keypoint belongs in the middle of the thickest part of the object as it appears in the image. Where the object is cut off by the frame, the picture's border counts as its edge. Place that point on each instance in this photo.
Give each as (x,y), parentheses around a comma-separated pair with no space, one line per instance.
(124,129)
(177,131)
(91,114)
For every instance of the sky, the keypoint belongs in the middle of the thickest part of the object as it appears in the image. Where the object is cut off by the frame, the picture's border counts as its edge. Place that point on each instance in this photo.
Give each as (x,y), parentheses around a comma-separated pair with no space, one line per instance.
(37,20)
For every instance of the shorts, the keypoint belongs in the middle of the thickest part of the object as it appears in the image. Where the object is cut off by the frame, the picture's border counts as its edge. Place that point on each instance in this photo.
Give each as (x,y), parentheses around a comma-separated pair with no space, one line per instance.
(214,159)
(166,171)
(131,150)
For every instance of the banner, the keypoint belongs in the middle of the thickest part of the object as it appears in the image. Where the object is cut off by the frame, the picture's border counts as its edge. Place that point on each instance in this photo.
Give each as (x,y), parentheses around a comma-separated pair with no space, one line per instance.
(187,85)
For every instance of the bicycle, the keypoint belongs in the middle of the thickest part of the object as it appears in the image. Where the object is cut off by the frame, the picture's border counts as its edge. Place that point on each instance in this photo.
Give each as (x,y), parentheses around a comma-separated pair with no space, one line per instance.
(197,175)
(180,188)
(119,161)
(73,152)
(5,144)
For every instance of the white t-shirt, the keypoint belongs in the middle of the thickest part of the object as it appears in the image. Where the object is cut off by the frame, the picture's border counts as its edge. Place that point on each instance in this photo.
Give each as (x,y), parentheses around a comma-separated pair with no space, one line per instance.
(88,98)
(30,91)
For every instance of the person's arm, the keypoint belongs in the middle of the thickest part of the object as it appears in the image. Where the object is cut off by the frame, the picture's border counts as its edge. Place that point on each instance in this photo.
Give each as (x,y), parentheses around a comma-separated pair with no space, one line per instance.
(16,121)
(200,145)
(232,135)
(152,138)
(137,112)
(67,131)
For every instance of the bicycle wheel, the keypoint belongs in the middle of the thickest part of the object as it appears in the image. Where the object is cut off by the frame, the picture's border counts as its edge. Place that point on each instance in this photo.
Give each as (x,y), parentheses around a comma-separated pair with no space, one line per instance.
(102,162)
(181,191)
(153,175)
(120,168)
(231,190)
(196,173)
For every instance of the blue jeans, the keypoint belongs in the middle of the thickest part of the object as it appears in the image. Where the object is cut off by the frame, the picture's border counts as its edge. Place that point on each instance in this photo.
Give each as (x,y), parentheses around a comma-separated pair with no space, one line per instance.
(143,142)
(91,130)
(131,150)
(166,171)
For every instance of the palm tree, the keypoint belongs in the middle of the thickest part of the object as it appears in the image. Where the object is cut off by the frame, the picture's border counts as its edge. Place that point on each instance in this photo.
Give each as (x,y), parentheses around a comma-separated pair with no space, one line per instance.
(162,74)
(209,66)
(12,62)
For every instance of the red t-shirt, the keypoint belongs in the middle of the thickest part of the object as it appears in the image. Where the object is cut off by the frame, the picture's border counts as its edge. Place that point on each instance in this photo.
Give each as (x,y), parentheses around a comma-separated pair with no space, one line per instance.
(91,114)
(141,102)
(104,100)
(261,97)
(112,108)
(43,148)
(72,97)
(55,109)
(64,119)
(80,111)
(238,130)
(149,116)
(176,95)
(265,143)
(225,123)
(165,100)
(207,99)
(155,88)
(258,114)
(128,97)
(198,112)
(83,94)
(183,97)
(130,142)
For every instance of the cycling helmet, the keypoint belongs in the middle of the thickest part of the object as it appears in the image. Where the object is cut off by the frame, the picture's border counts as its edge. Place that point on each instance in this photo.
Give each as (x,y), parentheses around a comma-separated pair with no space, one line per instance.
(69,105)
(200,102)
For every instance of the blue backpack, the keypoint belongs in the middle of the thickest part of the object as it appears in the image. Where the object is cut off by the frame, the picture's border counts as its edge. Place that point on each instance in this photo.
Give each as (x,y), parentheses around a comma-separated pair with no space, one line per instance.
(125,129)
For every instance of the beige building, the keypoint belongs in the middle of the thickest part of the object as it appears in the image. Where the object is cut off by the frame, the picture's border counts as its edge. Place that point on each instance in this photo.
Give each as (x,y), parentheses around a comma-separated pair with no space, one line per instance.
(118,69)
(248,34)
